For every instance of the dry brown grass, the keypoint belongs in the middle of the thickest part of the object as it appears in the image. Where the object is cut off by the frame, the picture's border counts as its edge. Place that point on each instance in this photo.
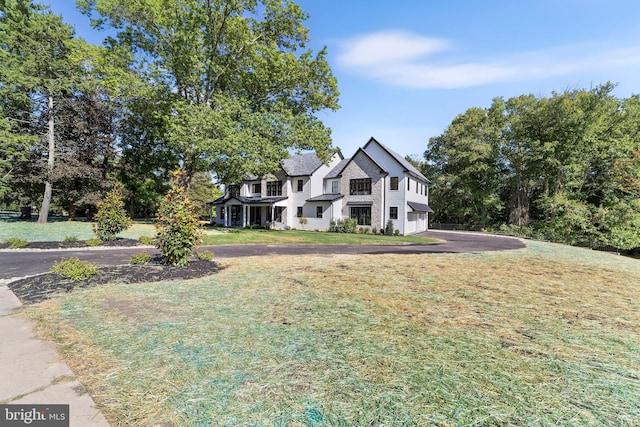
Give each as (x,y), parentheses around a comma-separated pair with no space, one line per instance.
(549,335)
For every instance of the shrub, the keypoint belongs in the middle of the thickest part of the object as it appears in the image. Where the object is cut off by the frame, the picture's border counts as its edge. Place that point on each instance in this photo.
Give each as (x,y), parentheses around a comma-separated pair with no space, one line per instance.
(388,228)
(178,225)
(396,233)
(111,217)
(93,242)
(15,242)
(74,269)
(374,230)
(205,255)
(366,230)
(141,258)
(146,240)
(70,239)
(347,225)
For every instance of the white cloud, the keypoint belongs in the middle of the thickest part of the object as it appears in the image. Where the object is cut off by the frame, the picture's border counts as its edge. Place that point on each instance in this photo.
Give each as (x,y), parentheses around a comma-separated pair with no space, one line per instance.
(408,60)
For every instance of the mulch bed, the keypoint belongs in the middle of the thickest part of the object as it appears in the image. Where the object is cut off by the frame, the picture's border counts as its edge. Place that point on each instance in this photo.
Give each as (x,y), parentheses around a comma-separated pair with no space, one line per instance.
(34,289)
(77,244)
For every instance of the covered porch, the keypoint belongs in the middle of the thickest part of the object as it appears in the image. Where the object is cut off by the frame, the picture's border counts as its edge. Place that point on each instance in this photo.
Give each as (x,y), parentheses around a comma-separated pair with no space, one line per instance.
(247,211)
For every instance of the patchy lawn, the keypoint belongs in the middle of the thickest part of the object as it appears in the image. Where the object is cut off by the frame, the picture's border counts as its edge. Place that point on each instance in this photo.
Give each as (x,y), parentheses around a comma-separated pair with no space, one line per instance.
(57,231)
(549,335)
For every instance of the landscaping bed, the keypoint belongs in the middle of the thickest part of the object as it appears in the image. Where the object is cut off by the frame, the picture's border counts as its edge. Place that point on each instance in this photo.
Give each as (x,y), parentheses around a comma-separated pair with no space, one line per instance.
(35,289)
(75,244)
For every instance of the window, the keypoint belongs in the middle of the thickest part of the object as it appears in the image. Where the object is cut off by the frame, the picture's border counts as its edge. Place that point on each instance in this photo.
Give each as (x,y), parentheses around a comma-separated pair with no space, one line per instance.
(299,212)
(334,187)
(278,213)
(408,184)
(234,190)
(300,184)
(274,188)
(222,211)
(362,214)
(417,187)
(318,211)
(393,185)
(256,188)
(360,186)
(393,212)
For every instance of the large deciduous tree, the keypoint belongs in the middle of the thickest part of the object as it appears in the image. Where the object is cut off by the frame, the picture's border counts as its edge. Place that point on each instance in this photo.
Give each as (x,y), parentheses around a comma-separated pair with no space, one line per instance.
(566,165)
(244,88)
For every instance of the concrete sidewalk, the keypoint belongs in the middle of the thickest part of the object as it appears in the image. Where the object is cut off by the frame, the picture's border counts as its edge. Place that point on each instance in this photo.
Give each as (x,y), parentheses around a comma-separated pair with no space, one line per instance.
(31,372)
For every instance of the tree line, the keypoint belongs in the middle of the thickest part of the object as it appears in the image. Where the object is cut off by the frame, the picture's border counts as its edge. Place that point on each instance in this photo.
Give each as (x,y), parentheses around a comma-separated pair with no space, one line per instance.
(564,167)
(218,88)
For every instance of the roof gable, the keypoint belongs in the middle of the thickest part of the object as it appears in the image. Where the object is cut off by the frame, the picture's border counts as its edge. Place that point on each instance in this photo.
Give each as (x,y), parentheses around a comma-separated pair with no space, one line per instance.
(337,171)
(398,158)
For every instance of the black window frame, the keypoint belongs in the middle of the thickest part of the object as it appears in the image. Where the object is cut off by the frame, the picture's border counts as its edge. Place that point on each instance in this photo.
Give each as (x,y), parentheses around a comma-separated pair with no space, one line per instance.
(394,182)
(360,186)
(393,212)
(300,184)
(335,190)
(257,187)
(274,188)
(277,213)
(319,211)
(299,212)
(359,213)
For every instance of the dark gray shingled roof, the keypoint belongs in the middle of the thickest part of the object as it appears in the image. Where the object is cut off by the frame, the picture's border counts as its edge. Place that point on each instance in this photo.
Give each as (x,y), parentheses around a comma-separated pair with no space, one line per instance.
(301,164)
(419,207)
(249,200)
(405,164)
(335,172)
(326,198)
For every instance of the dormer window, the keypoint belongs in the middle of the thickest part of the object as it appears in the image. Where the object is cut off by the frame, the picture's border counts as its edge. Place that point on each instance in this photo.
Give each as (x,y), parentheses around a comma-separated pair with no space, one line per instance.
(234,190)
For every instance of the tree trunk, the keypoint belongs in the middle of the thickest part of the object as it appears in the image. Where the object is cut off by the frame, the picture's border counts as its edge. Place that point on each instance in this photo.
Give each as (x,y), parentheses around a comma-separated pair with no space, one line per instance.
(48,188)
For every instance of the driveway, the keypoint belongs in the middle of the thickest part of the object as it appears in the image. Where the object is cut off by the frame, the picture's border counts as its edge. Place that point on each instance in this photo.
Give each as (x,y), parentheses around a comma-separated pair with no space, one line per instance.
(20,263)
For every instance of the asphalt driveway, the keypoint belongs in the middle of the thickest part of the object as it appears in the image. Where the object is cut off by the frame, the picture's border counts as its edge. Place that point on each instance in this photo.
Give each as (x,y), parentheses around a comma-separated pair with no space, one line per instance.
(20,263)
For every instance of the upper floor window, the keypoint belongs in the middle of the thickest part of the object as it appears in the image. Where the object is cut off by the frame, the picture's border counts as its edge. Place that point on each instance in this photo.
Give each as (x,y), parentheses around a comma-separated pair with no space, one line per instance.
(234,190)
(408,184)
(300,184)
(393,184)
(274,188)
(360,186)
(256,188)
(334,187)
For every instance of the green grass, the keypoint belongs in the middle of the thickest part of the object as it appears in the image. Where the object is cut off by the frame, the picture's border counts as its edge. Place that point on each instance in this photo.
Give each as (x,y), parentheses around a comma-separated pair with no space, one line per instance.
(58,231)
(80,230)
(275,237)
(548,336)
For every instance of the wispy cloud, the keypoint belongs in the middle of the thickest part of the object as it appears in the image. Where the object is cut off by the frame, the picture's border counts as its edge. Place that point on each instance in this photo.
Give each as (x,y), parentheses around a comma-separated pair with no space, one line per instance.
(405,59)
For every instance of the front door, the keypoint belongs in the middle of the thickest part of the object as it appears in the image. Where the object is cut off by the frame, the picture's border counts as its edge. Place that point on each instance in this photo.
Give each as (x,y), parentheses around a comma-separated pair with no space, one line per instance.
(255,215)
(236,215)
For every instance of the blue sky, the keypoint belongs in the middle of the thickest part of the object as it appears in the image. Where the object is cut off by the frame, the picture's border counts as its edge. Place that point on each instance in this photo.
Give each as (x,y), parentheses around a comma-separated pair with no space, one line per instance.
(407,68)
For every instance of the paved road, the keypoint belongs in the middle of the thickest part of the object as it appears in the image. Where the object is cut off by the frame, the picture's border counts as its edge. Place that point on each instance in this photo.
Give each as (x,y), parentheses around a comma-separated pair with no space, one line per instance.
(20,263)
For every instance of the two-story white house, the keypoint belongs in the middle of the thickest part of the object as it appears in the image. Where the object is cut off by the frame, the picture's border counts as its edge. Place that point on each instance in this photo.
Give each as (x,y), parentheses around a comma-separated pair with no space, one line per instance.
(373,186)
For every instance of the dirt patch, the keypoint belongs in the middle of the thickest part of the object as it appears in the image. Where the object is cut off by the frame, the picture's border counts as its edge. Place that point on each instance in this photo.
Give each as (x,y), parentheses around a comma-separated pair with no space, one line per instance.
(43,286)
(135,310)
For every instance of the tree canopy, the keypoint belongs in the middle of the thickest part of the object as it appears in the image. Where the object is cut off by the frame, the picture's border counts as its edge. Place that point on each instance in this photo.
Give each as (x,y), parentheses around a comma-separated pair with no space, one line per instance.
(564,167)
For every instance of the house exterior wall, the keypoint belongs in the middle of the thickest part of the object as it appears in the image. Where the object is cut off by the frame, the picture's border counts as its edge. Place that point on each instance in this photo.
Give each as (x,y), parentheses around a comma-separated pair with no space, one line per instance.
(360,167)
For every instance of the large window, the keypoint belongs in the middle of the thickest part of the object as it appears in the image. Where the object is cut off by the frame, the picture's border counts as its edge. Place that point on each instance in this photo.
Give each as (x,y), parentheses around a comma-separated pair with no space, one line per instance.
(278,213)
(256,188)
(393,184)
(393,212)
(362,214)
(274,188)
(360,186)
(300,185)
(318,211)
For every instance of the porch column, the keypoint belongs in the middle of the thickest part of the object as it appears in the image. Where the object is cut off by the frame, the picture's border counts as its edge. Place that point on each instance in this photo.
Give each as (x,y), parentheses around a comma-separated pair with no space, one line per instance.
(227,214)
(244,215)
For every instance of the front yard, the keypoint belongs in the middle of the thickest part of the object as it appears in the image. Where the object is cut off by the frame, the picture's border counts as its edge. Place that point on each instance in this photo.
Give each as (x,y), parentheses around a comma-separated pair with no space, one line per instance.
(549,335)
